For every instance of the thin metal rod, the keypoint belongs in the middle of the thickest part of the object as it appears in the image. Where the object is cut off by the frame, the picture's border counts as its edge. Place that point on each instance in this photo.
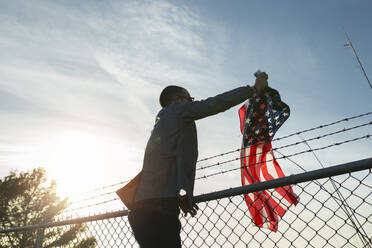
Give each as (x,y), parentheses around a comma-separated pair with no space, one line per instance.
(357,57)
(344,205)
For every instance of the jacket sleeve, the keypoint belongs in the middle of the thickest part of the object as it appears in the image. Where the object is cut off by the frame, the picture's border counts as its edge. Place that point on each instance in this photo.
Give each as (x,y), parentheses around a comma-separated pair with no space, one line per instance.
(214,105)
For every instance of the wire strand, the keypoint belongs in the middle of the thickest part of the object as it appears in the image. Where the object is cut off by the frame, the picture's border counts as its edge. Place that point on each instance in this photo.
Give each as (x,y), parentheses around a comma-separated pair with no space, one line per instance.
(293,134)
(294,144)
(283,157)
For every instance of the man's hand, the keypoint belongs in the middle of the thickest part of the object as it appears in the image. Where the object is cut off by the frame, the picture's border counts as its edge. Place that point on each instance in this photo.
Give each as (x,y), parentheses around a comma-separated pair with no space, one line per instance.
(188,206)
(261,82)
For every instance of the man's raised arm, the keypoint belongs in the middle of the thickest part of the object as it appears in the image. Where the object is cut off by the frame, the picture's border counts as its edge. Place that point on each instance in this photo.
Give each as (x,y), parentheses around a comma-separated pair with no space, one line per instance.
(214,105)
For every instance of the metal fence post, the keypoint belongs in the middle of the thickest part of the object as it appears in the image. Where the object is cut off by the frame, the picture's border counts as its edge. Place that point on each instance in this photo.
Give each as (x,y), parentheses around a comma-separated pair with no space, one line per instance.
(39,238)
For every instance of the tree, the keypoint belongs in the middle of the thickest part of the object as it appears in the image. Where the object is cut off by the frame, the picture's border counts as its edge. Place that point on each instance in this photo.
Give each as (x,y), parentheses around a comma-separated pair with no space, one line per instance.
(26,199)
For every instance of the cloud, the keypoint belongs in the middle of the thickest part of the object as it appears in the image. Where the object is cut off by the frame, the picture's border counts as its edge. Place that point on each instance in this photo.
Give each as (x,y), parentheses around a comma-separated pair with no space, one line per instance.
(127,50)
(95,69)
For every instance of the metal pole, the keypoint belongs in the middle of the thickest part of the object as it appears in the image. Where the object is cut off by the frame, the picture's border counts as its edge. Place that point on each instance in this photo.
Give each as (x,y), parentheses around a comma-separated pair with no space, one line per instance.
(293,179)
(39,238)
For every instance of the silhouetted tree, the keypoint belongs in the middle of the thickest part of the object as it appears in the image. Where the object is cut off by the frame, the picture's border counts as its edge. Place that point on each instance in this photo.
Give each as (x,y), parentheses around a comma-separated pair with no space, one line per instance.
(25,199)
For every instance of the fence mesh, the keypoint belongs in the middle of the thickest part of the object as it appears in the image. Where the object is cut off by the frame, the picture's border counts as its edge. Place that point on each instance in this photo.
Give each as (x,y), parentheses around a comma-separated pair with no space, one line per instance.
(332,212)
(318,220)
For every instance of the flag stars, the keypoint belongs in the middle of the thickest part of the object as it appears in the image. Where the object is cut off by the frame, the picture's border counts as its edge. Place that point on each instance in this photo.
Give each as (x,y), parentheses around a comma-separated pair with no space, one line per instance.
(262,119)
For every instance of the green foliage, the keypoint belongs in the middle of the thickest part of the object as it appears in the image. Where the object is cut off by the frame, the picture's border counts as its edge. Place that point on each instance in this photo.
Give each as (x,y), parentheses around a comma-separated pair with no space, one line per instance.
(25,199)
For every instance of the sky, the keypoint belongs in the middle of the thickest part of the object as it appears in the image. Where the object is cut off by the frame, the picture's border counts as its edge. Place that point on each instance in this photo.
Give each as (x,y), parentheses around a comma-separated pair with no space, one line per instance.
(80,80)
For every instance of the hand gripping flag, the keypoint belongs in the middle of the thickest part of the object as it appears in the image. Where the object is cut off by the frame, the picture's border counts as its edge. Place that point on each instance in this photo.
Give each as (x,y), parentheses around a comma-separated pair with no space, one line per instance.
(260,118)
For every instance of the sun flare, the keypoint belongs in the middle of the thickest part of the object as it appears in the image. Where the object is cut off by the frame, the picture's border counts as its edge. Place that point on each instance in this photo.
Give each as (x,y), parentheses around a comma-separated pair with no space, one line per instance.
(80,161)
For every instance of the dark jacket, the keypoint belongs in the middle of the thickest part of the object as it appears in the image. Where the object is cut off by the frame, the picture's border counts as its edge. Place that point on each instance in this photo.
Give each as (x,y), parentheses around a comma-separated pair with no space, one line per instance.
(172,150)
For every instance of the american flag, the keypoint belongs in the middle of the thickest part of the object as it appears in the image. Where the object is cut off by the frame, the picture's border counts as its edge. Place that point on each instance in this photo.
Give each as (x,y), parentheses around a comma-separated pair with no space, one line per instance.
(260,118)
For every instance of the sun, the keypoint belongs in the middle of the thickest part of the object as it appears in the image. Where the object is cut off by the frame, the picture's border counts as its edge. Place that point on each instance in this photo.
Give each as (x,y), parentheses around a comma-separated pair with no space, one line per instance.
(80,161)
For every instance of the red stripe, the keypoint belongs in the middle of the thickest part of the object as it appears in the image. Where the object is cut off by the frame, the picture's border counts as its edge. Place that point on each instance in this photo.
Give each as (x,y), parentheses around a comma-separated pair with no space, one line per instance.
(289,195)
(286,192)
(252,163)
(242,112)
(254,211)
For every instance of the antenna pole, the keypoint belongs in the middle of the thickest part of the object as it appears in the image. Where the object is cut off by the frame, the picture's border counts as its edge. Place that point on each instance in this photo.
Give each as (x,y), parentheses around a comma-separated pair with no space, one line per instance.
(357,57)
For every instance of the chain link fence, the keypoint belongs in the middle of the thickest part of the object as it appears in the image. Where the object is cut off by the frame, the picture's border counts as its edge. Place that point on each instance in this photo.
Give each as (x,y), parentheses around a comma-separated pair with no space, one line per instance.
(335,210)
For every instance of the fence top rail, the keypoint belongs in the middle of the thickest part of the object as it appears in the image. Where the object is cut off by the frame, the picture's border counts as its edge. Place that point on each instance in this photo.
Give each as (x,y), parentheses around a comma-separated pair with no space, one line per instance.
(336,170)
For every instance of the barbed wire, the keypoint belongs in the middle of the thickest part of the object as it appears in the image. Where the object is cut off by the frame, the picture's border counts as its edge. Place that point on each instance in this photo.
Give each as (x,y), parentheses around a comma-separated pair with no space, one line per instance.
(325,125)
(233,169)
(292,134)
(235,159)
(236,150)
(283,157)
(105,187)
(89,206)
(294,144)
(92,197)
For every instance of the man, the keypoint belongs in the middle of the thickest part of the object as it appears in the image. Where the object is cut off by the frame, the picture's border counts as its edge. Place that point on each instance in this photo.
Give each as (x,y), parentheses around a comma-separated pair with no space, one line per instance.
(170,162)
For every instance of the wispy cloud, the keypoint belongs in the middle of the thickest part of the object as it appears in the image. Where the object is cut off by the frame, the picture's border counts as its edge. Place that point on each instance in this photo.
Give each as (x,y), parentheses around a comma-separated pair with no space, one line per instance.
(140,46)
(94,68)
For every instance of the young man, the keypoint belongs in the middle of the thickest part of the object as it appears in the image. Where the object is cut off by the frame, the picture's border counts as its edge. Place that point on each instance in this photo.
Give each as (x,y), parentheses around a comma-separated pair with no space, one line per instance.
(170,162)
